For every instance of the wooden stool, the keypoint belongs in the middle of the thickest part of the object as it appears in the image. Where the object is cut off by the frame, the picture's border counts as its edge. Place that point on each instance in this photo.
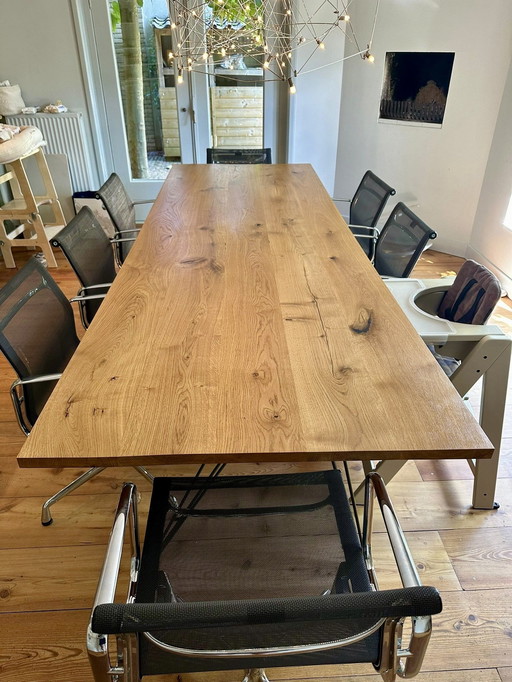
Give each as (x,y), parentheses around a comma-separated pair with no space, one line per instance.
(25,208)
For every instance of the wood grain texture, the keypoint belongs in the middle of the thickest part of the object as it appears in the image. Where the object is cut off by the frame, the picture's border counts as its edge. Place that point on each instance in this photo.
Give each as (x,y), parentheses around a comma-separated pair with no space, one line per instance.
(481,558)
(247,324)
(473,631)
(446,505)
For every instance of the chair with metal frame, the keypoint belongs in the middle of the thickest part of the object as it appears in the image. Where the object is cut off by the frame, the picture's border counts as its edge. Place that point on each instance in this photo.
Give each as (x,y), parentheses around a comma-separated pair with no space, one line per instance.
(121,210)
(256,572)
(89,252)
(214,155)
(38,338)
(400,243)
(366,207)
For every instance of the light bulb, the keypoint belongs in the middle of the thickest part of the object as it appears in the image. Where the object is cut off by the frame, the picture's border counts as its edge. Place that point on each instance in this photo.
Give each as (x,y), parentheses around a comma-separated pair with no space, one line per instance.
(223,52)
(320,44)
(205,56)
(370,57)
(345,17)
(266,64)
(173,25)
(289,12)
(180,76)
(170,56)
(293,89)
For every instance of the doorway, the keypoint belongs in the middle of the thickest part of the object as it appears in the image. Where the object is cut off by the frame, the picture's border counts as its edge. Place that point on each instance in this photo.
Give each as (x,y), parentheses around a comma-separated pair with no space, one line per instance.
(226,105)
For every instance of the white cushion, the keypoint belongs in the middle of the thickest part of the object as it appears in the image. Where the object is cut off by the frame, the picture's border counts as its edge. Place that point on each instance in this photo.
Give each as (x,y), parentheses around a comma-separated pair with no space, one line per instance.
(24,142)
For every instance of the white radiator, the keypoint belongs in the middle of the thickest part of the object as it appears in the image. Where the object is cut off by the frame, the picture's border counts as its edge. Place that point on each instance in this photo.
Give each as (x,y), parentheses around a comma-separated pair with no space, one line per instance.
(64,134)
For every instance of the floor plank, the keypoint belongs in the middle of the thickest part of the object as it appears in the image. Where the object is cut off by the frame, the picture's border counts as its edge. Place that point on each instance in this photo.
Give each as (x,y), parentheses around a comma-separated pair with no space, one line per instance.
(481,557)
(473,631)
(445,505)
(44,646)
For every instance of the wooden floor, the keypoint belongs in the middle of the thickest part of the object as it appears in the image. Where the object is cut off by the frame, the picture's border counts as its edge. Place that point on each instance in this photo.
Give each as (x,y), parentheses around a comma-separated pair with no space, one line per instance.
(48,575)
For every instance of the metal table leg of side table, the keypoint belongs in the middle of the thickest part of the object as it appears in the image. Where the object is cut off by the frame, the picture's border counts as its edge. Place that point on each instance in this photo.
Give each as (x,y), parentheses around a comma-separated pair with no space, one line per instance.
(490,359)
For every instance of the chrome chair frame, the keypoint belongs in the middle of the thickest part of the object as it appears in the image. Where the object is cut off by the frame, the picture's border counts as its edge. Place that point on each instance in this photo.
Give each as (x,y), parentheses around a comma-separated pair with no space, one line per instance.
(394,658)
(83,296)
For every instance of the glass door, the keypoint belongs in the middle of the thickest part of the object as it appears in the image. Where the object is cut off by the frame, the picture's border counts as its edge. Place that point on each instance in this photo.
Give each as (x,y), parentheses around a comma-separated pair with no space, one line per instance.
(149,111)
(143,126)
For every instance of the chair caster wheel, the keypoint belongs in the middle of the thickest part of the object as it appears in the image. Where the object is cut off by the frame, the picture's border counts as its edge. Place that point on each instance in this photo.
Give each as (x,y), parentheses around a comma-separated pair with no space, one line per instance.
(496,505)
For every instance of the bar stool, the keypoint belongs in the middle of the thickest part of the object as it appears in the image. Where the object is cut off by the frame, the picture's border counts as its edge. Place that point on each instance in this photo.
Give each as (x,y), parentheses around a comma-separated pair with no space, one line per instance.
(24,207)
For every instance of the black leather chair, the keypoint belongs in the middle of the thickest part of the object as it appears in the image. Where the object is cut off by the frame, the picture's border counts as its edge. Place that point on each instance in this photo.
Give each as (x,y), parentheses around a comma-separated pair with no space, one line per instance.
(121,210)
(400,242)
(239,155)
(256,572)
(38,338)
(366,208)
(89,252)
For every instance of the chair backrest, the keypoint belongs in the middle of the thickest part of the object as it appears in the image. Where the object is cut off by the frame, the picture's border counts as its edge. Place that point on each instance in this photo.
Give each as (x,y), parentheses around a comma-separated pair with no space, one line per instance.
(120,209)
(89,252)
(369,200)
(239,155)
(401,242)
(472,296)
(37,331)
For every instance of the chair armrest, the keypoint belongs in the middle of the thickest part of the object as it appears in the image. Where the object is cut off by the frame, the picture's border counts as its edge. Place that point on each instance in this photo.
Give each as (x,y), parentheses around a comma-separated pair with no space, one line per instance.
(368,232)
(126,516)
(17,400)
(117,239)
(398,603)
(134,229)
(406,661)
(403,558)
(91,297)
(83,296)
(36,379)
(105,285)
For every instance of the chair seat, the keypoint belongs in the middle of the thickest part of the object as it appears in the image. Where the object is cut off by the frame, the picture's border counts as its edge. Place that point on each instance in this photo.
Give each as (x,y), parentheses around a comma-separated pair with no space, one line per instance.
(259,564)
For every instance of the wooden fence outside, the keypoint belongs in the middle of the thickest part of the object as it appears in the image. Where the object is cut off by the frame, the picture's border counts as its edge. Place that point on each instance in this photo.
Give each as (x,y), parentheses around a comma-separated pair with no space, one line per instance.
(432,112)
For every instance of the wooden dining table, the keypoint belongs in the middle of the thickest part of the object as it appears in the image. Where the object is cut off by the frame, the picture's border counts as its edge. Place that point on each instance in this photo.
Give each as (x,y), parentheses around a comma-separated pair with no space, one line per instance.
(248,325)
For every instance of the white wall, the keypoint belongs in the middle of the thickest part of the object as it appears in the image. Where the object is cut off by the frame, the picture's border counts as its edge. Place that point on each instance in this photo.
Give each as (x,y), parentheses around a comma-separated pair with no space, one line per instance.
(491,241)
(314,109)
(439,169)
(38,50)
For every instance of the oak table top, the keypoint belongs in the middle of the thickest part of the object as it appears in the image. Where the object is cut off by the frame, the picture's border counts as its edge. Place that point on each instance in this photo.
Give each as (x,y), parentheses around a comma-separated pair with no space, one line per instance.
(248,325)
